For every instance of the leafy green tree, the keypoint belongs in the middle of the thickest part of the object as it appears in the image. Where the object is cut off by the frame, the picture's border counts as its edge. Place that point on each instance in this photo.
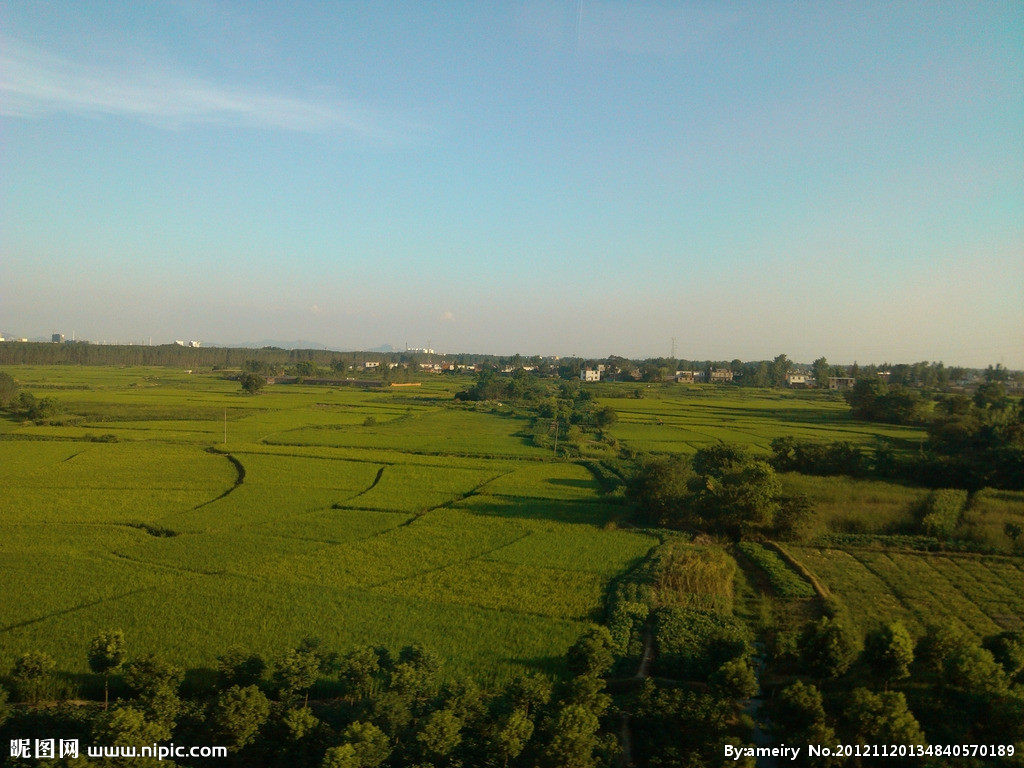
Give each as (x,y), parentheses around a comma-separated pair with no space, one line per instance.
(660,489)
(991,396)
(357,670)
(440,735)
(591,654)
(865,396)
(735,679)
(828,647)
(8,389)
(155,683)
(106,655)
(31,673)
(510,735)
(732,492)
(880,718)
(1007,648)
(938,643)
(821,372)
(299,723)
(237,667)
(415,675)
(342,756)
(127,726)
(296,672)
(780,367)
(574,738)
(973,669)
(889,652)
(675,727)
(239,713)
(587,691)
(797,716)
(252,383)
(529,692)
(606,417)
(370,745)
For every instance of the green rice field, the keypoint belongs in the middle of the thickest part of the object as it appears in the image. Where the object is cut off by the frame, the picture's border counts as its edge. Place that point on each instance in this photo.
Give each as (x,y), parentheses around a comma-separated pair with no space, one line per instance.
(195,517)
(427,525)
(982,594)
(682,418)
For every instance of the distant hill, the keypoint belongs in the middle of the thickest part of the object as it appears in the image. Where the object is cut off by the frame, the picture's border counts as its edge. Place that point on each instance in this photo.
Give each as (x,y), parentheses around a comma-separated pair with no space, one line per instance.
(297,344)
(300,344)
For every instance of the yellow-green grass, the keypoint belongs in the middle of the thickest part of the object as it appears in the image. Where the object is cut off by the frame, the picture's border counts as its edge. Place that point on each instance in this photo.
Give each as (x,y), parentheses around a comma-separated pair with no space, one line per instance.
(437,526)
(439,431)
(683,420)
(850,505)
(983,594)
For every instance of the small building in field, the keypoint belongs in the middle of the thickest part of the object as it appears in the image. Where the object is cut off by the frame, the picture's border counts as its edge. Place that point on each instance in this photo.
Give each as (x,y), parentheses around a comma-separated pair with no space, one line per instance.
(590,374)
(841,382)
(721,375)
(798,379)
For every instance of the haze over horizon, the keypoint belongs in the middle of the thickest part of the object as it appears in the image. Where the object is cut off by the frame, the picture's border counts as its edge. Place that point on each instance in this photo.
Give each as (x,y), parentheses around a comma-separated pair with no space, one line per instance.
(583,178)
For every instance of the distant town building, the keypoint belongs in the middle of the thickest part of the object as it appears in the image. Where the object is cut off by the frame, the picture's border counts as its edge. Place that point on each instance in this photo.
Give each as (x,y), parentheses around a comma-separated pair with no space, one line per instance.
(57,338)
(194,344)
(369,364)
(590,374)
(720,375)
(798,379)
(841,382)
(686,377)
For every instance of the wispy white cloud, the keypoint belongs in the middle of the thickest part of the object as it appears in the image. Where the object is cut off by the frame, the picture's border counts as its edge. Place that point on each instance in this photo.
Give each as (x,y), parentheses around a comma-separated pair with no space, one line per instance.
(662,30)
(36,83)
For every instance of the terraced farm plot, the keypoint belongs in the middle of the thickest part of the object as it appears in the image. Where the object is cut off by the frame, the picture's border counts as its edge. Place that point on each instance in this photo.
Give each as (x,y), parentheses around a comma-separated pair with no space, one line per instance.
(432,432)
(983,594)
(433,526)
(682,419)
(107,483)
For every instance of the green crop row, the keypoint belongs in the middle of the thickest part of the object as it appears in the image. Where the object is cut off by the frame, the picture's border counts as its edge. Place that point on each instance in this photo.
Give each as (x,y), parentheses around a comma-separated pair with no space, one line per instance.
(784,581)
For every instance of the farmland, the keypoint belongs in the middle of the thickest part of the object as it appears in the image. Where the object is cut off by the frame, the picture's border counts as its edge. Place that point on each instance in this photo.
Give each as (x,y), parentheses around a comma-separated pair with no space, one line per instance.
(197,517)
(352,515)
(871,572)
(686,418)
(981,594)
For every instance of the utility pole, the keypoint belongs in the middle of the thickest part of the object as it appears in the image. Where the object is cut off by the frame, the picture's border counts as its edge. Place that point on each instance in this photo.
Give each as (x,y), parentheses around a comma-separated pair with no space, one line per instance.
(225,426)
(555,451)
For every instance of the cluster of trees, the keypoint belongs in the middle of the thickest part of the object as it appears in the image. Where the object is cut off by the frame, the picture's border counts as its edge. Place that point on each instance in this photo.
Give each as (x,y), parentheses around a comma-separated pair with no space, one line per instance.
(25,405)
(943,688)
(871,399)
(563,411)
(973,442)
(385,710)
(722,489)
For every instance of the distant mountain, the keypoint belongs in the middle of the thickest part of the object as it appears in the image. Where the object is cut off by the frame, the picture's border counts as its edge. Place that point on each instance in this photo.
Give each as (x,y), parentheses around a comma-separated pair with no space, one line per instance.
(297,344)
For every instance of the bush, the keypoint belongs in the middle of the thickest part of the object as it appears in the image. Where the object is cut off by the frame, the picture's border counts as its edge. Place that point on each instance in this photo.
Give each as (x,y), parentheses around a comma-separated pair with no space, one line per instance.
(693,643)
(940,513)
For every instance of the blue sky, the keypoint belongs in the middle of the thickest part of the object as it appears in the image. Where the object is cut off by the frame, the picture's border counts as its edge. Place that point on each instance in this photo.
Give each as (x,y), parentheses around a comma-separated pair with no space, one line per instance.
(587,178)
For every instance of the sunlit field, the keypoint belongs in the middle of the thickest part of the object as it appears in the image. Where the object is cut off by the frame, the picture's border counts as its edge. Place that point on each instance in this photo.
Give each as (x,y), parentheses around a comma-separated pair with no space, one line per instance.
(353,515)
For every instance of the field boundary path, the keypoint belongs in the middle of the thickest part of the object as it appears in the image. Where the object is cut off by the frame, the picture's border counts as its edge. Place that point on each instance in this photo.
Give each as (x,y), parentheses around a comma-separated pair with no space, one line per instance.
(239,479)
